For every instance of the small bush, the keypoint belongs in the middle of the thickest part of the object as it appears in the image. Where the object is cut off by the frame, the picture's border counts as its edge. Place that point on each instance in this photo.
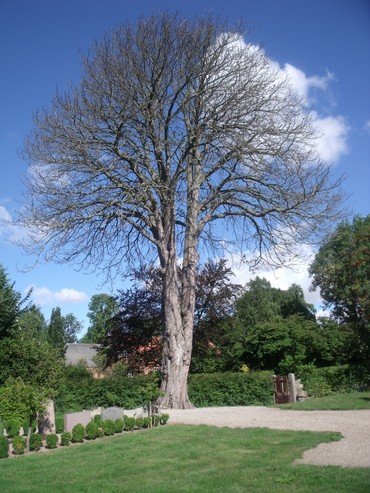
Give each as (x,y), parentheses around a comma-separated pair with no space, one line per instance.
(97,418)
(78,433)
(163,418)
(139,423)
(1,428)
(108,426)
(35,442)
(4,447)
(118,425)
(92,430)
(51,440)
(146,422)
(155,420)
(12,427)
(65,438)
(25,427)
(19,445)
(59,423)
(130,423)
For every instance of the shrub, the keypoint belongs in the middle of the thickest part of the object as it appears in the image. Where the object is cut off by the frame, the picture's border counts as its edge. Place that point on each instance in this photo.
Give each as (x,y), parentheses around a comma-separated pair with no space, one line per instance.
(65,438)
(35,442)
(97,418)
(1,428)
(19,445)
(146,422)
(108,426)
(79,393)
(78,433)
(92,430)
(319,382)
(130,423)
(231,389)
(139,423)
(163,418)
(19,400)
(4,447)
(51,440)
(155,420)
(12,427)
(118,424)
(26,427)
(59,423)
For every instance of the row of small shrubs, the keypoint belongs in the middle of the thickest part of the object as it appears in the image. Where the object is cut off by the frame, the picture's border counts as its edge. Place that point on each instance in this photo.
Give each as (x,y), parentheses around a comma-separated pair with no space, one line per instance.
(19,444)
(319,382)
(95,429)
(231,389)
(98,428)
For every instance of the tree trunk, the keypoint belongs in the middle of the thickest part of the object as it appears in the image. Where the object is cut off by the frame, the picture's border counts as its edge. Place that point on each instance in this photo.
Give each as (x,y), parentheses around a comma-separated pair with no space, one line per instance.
(177,342)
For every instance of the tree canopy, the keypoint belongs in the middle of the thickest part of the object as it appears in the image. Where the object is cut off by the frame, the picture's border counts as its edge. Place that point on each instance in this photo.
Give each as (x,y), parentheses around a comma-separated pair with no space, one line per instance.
(176,125)
(341,270)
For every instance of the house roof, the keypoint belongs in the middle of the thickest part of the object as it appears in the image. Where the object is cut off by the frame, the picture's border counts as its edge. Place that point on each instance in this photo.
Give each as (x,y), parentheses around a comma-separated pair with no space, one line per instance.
(77,352)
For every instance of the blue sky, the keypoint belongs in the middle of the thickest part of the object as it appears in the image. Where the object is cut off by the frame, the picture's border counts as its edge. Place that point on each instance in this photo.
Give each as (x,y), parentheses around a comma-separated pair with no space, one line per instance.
(323,45)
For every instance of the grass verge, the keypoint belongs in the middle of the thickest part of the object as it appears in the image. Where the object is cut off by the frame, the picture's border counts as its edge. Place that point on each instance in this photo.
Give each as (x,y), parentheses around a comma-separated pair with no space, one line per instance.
(340,402)
(183,459)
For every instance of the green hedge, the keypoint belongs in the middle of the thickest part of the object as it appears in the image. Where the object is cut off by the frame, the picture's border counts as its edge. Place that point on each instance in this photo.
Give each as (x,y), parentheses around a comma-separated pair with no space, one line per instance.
(89,393)
(215,389)
(318,382)
(231,389)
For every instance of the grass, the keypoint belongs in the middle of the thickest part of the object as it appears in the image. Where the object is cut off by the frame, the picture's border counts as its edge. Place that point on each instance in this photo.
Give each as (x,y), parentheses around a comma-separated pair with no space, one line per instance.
(183,459)
(342,402)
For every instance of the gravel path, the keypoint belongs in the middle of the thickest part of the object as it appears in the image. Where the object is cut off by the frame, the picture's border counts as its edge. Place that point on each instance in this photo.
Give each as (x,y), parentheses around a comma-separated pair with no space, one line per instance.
(352,451)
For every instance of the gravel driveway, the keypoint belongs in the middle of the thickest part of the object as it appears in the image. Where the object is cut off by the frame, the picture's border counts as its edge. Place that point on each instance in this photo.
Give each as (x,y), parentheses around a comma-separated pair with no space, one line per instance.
(352,451)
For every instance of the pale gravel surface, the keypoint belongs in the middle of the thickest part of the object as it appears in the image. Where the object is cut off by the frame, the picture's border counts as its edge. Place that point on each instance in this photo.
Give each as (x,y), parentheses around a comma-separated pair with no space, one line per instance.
(351,451)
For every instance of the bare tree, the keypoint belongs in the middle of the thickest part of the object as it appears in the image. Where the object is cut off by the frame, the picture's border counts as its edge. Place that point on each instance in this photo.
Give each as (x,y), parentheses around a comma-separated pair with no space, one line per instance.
(176,124)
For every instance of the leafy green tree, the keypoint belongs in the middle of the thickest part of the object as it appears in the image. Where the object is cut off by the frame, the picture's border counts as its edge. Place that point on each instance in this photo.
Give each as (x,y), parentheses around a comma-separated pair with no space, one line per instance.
(102,308)
(261,302)
(32,322)
(11,302)
(32,360)
(341,270)
(56,331)
(284,344)
(20,401)
(72,327)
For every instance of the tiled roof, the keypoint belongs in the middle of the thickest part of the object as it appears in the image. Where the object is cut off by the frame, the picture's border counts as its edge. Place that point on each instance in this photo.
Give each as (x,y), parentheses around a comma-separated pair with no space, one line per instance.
(77,352)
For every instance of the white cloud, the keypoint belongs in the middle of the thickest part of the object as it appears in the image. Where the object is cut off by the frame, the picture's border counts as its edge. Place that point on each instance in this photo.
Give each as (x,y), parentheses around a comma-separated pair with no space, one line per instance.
(8,230)
(332,130)
(303,84)
(367,126)
(332,144)
(45,296)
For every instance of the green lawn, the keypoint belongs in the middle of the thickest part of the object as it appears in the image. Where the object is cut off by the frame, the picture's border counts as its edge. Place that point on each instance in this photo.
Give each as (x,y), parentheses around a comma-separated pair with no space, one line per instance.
(183,459)
(353,400)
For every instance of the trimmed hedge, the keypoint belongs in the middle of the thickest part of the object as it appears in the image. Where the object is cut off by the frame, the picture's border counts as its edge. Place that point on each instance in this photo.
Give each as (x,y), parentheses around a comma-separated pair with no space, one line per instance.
(51,440)
(92,430)
(78,433)
(19,445)
(65,438)
(231,389)
(318,382)
(12,427)
(59,423)
(4,447)
(87,393)
(35,442)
